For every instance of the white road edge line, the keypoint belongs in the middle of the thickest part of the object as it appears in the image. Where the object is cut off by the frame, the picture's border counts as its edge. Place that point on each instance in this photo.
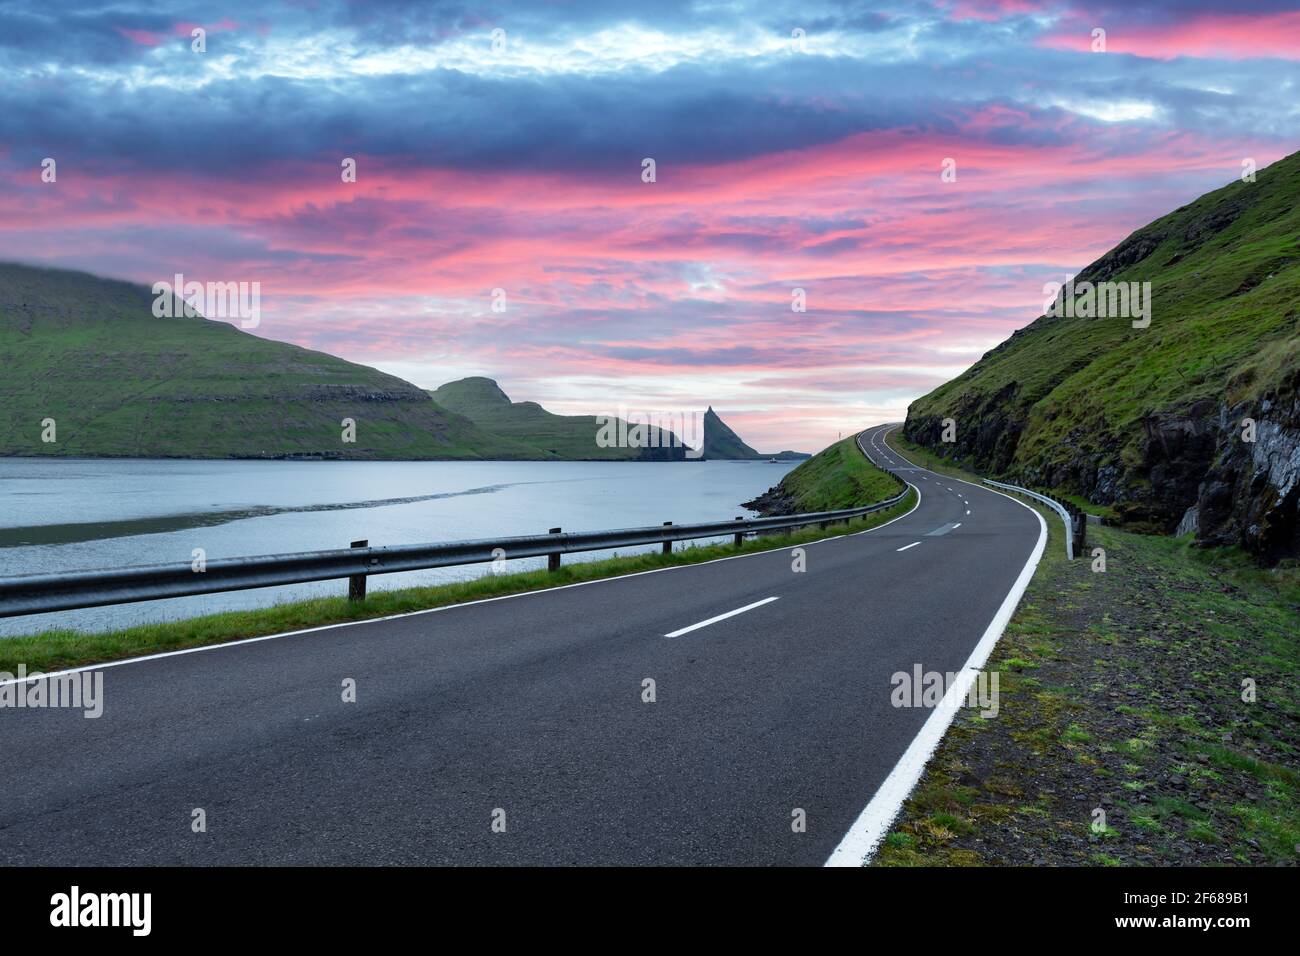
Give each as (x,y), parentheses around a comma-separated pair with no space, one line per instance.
(204,648)
(906,546)
(721,617)
(864,836)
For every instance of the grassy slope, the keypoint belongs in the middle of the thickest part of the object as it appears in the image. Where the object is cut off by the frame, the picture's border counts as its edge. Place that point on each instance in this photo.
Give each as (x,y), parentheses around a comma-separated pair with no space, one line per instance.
(89,353)
(548,435)
(1225,326)
(837,477)
(1121,690)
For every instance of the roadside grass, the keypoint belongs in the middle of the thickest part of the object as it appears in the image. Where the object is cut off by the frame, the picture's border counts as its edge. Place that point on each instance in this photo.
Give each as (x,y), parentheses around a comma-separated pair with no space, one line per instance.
(57,649)
(1084,505)
(1122,692)
(838,477)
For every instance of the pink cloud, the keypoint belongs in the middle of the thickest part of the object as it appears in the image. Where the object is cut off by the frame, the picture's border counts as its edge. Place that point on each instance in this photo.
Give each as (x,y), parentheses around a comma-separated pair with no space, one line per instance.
(991,10)
(140,37)
(1214,35)
(151,38)
(670,289)
(185,28)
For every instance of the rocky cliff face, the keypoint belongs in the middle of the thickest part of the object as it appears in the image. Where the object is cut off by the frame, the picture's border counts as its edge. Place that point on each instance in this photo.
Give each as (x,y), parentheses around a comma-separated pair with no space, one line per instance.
(1156,422)
(1250,494)
(1196,472)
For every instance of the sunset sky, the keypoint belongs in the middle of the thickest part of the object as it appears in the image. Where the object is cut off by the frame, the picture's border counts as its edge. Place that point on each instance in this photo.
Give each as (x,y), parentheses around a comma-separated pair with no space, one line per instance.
(781,163)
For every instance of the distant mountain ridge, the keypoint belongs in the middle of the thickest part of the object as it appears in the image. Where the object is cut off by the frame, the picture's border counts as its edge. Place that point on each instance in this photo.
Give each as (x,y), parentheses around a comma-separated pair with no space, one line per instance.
(549,436)
(482,401)
(720,442)
(90,371)
(87,355)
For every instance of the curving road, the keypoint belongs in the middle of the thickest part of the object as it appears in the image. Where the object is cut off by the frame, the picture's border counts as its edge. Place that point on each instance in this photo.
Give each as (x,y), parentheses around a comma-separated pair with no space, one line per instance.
(533,705)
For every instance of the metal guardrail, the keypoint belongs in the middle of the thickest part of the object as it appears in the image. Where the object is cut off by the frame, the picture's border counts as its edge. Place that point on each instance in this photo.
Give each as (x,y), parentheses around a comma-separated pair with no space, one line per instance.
(1060,509)
(1075,520)
(42,593)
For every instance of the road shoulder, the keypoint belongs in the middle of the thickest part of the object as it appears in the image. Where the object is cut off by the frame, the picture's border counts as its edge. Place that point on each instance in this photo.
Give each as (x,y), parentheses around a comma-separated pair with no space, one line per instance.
(1122,736)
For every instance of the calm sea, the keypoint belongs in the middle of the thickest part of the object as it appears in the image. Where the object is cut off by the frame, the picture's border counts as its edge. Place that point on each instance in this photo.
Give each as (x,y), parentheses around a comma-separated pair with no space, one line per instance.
(68,514)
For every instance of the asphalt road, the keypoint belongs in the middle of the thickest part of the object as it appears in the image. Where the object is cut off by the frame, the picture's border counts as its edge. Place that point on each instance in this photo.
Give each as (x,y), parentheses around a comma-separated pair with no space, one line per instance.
(533,705)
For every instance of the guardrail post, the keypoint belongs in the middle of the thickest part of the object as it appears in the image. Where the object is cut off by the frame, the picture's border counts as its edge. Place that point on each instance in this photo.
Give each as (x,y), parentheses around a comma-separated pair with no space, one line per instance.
(740,535)
(553,559)
(357,582)
(668,545)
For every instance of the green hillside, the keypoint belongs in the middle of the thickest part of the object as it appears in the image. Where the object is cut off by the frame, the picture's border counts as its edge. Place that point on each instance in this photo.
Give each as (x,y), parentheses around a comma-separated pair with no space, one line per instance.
(838,476)
(89,353)
(546,435)
(1148,420)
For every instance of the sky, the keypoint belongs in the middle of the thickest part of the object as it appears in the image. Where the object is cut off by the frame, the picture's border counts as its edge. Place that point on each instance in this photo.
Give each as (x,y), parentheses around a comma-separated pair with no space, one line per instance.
(503,146)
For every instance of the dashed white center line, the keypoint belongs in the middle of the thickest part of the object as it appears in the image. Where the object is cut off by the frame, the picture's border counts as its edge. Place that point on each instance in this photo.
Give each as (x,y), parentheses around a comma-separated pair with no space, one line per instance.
(721,617)
(956,526)
(912,545)
(968,511)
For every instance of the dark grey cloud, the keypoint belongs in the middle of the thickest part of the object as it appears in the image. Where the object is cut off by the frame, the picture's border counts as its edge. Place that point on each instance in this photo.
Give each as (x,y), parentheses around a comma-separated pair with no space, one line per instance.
(602,125)
(442,118)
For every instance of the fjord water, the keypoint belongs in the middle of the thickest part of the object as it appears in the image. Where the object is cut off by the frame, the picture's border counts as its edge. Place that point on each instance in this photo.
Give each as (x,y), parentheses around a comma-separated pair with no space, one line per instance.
(73,514)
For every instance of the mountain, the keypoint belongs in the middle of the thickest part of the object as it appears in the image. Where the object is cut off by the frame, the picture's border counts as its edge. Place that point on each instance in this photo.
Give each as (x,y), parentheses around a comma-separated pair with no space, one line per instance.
(720,442)
(1189,424)
(547,435)
(88,353)
(117,381)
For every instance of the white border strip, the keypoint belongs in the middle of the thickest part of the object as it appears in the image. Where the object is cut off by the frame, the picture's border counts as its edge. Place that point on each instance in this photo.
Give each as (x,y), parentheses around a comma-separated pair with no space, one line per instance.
(858,845)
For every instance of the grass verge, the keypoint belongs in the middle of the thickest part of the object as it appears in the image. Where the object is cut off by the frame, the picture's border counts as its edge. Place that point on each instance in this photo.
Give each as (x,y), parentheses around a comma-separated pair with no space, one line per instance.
(51,650)
(837,477)
(1121,691)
